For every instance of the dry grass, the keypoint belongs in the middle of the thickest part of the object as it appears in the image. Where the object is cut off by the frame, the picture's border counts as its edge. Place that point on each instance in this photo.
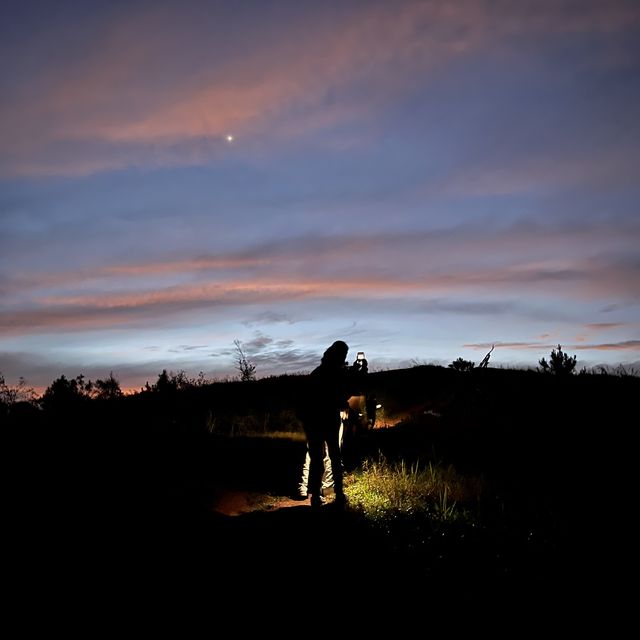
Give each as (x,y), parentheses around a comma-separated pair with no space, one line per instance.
(382,491)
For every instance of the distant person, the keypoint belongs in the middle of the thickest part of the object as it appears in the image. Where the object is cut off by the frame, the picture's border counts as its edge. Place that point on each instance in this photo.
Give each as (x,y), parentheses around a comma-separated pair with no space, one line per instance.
(355,422)
(330,391)
(360,364)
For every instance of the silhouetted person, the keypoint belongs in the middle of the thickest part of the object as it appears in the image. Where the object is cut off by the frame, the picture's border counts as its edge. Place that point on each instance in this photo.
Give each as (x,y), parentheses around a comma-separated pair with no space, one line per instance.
(360,364)
(327,475)
(355,423)
(329,395)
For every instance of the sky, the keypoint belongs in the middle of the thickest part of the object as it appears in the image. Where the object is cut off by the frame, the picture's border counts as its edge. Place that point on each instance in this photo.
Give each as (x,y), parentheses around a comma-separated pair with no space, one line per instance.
(421,179)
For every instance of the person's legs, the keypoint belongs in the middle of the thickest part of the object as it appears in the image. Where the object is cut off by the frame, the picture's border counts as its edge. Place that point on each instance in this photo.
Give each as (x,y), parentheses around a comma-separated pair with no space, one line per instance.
(303,487)
(316,466)
(327,476)
(332,437)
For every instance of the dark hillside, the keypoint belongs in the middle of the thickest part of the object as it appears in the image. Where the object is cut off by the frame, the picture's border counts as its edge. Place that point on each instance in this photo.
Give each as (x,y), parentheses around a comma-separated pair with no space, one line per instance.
(148,467)
(516,426)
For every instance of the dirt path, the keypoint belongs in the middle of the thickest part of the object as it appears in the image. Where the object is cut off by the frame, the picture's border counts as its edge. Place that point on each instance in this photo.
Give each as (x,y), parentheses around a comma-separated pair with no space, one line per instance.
(236,502)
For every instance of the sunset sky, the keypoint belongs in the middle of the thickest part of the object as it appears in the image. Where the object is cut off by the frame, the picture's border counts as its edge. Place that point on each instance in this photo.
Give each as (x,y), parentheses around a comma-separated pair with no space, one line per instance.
(421,179)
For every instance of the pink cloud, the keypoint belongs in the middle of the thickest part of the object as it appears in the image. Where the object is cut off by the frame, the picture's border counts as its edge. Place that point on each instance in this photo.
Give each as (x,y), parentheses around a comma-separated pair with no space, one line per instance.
(536,346)
(624,345)
(605,326)
(264,287)
(155,76)
(422,263)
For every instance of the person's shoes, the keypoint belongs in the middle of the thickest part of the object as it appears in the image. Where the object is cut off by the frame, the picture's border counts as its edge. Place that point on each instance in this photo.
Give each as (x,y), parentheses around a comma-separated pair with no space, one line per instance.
(317,501)
(300,495)
(340,501)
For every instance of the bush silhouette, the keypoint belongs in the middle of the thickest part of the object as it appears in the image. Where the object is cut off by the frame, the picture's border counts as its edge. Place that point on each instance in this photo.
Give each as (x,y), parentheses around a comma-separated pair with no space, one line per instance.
(559,363)
(246,368)
(462,365)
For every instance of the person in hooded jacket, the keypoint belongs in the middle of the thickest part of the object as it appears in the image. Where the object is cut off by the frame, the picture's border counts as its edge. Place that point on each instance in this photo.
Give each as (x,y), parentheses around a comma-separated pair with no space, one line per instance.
(330,389)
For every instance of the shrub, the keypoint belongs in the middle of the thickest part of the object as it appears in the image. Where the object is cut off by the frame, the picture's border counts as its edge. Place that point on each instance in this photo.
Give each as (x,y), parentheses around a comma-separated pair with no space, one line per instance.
(247,369)
(462,365)
(560,363)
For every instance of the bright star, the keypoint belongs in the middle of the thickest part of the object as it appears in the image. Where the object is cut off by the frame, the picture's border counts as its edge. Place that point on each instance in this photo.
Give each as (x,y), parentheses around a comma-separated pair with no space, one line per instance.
(229,138)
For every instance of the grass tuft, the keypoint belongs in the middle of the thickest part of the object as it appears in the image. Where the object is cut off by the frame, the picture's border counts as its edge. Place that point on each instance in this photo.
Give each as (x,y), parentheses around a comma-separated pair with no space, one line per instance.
(382,491)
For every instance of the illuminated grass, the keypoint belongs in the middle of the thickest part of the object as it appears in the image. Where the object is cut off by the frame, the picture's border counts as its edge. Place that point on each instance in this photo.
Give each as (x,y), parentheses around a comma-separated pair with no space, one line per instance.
(276,435)
(382,491)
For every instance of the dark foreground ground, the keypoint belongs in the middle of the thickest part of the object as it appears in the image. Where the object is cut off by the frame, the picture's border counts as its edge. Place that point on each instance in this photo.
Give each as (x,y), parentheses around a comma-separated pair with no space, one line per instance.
(234,534)
(239,525)
(139,499)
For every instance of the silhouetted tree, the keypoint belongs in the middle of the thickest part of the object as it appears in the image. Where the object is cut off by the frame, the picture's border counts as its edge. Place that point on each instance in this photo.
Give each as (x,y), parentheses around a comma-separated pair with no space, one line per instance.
(559,363)
(170,382)
(462,365)
(201,380)
(107,389)
(247,369)
(64,393)
(11,394)
(164,384)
